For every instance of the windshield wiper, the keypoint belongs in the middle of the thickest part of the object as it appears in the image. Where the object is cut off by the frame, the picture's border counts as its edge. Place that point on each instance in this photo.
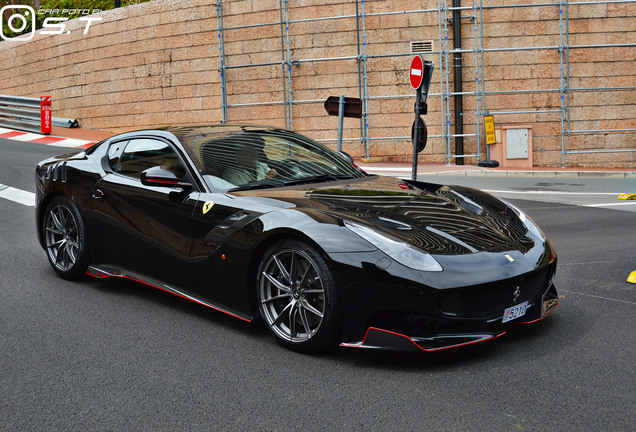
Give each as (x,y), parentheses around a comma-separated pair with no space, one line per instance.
(318,178)
(252,187)
(310,179)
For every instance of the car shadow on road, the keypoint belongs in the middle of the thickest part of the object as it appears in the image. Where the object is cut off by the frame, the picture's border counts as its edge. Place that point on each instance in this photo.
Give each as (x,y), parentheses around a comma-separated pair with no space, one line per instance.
(518,344)
(122,287)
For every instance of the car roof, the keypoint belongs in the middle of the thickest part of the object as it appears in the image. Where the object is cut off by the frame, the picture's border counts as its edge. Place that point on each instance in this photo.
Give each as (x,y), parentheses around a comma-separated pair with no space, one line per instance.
(218,130)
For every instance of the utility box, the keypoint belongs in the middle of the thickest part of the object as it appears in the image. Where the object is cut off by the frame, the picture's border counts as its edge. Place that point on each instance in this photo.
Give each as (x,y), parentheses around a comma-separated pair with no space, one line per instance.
(515,148)
(517,144)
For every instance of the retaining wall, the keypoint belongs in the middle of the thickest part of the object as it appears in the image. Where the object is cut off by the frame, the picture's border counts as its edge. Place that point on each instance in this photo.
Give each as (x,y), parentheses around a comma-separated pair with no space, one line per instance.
(157,63)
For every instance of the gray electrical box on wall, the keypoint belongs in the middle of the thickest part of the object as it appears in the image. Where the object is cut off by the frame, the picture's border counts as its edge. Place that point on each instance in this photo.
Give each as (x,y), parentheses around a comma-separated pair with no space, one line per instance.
(517,144)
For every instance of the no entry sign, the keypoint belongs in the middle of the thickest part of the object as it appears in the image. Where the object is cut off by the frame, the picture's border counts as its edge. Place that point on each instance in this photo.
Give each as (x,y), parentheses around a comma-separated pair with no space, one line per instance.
(416,72)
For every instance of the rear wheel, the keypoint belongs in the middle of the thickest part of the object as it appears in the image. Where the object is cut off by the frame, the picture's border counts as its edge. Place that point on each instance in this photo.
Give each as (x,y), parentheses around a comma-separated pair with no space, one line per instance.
(297,297)
(65,238)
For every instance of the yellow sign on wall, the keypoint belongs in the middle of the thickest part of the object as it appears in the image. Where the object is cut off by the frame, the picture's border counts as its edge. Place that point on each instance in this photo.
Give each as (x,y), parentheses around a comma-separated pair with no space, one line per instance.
(489,125)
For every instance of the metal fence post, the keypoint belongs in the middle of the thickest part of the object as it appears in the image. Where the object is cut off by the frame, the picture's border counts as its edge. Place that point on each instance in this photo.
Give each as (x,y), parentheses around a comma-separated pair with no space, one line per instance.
(341,108)
(221,37)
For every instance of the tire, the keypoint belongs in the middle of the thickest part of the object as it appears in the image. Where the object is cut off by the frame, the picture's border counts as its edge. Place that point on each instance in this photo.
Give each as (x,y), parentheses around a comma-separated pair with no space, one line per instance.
(297,298)
(65,238)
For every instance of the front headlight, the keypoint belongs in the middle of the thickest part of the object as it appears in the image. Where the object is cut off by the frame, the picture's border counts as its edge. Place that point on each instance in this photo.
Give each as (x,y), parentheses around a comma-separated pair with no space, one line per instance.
(397,250)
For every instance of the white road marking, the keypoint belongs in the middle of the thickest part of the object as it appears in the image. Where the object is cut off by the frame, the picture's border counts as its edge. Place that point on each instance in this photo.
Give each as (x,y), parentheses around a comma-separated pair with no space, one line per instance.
(598,297)
(609,204)
(550,192)
(17,195)
(384,169)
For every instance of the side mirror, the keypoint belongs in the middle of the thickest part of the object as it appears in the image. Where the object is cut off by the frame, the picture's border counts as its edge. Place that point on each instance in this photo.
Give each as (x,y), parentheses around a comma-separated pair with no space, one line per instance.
(157,176)
(346,156)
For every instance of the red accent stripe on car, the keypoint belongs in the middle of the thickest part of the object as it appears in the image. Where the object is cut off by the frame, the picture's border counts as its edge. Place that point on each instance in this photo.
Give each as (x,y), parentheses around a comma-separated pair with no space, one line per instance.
(543,317)
(163,181)
(168,291)
(413,342)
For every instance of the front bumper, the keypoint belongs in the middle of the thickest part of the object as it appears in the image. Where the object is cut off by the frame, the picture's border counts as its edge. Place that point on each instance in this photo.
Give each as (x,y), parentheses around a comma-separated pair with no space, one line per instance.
(377,337)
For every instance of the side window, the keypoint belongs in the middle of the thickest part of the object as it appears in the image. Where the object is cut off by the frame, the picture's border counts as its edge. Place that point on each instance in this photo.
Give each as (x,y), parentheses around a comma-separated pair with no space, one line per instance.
(141,154)
(114,153)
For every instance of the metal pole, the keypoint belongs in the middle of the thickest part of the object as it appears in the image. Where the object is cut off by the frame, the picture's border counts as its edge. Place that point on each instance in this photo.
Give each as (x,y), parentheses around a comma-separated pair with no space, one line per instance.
(341,108)
(447,150)
(416,133)
(359,73)
(290,91)
(447,115)
(561,86)
(222,67)
(478,97)
(457,81)
(283,62)
(365,91)
(483,82)
(567,59)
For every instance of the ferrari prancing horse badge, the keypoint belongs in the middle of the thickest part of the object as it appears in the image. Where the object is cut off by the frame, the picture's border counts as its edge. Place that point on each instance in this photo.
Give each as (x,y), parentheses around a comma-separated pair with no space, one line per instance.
(207,206)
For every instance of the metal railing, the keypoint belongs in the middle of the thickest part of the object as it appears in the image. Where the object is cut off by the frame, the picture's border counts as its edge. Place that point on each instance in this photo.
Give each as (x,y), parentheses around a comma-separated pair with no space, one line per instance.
(23,113)
(475,13)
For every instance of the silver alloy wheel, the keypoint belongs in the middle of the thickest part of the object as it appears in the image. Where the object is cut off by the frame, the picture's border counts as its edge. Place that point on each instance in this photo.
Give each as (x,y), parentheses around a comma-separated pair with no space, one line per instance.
(292,295)
(61,235)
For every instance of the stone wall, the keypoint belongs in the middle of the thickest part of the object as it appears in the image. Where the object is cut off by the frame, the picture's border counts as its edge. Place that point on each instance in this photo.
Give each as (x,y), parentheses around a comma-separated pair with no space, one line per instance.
(144,65)
(157,63)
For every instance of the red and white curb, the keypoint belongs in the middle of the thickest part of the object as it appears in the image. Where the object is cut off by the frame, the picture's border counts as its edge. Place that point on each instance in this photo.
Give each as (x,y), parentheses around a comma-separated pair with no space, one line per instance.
(44,139)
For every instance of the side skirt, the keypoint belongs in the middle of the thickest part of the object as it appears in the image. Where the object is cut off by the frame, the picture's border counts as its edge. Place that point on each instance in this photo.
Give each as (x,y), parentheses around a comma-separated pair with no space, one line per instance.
(105,271)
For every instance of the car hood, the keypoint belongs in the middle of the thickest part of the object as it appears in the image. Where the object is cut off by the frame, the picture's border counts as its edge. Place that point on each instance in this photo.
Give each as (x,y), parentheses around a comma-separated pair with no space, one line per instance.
(436,218)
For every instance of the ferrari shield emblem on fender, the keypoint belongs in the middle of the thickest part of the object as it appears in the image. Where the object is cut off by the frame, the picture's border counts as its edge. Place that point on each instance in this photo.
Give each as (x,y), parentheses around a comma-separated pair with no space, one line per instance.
(207,206)
(511,259)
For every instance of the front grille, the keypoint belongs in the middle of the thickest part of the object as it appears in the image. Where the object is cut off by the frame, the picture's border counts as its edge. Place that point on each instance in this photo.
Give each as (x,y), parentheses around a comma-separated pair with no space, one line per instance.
(490,301)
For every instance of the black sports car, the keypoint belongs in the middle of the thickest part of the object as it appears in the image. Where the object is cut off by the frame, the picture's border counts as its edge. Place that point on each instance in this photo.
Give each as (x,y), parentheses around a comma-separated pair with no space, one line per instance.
(263,222)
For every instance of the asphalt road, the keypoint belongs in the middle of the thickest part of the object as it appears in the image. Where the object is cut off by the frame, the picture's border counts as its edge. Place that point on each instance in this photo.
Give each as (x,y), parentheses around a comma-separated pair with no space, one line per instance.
(586,192)
(115,355)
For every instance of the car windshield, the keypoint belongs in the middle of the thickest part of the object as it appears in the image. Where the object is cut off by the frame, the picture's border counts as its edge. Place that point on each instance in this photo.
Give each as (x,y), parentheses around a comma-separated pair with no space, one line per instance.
(264,158)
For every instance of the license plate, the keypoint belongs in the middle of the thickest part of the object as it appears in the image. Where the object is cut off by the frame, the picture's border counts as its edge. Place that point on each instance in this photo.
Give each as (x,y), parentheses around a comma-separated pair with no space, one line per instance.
(515,312)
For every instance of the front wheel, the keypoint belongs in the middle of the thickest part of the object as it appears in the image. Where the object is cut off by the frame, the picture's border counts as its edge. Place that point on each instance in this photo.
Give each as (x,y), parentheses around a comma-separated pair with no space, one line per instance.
(65,238)
(297,297)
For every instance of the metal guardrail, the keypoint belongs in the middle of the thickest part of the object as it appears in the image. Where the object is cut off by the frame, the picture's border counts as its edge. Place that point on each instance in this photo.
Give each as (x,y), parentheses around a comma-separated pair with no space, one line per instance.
(23,113)
(65,122)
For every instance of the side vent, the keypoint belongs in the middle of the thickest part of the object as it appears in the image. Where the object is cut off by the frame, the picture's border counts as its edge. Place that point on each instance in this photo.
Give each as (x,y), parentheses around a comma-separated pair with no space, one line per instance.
(422,46)
(63,169)
(57,172)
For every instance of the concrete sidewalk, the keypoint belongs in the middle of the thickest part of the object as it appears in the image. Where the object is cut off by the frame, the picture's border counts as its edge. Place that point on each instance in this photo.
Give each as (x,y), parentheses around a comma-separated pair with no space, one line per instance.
(79,133)
(78,137)
(404,170)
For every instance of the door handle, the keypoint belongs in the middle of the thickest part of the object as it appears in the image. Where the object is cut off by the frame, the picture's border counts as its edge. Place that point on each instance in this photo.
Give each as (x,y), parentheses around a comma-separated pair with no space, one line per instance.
(98,194)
